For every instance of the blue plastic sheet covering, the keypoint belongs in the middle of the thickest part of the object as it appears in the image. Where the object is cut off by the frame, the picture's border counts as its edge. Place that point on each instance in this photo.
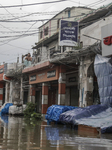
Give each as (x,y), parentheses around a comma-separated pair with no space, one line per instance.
(103,71)
(102,120)
(5,110)
(54,111)
(57,133)
(70,117)
(4,119)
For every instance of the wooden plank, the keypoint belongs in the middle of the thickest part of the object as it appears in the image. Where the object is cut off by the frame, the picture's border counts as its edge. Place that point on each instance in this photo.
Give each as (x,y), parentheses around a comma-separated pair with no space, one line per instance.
(84,130)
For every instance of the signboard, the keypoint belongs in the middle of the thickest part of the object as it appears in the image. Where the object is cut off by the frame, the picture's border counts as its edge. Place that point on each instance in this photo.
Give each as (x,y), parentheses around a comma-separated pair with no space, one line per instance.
(68,35)
(44,75)
(1,70)
(33,78)
(106,32)
(41,76)
(51,73)
(72,79)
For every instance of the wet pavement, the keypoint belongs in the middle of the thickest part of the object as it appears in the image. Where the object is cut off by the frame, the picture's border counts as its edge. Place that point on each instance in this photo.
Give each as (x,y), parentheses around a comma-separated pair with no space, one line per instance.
(16,133)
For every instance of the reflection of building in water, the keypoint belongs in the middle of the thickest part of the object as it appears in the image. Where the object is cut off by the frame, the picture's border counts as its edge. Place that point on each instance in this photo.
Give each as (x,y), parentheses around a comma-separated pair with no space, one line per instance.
(17,135)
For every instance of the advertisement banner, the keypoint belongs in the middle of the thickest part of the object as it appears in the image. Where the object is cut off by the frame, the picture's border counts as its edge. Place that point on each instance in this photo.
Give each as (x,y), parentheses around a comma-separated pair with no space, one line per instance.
(106,34)
(68,35)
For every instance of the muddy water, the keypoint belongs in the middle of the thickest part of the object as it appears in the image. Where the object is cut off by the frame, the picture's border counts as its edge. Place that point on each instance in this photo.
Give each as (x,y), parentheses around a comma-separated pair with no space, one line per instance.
(16,133)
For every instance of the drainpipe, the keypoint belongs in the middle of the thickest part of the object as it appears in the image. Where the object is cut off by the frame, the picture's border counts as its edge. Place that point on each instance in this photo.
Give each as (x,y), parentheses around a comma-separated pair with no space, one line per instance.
(5,79)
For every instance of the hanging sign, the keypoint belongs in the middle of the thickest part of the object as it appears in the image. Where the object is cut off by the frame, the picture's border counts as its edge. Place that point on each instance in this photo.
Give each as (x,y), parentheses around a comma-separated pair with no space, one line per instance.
(106,34)
(68,35)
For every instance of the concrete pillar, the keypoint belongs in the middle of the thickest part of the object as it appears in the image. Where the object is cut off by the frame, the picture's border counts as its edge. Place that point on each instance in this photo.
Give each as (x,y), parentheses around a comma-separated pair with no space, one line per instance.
(6,92)
(21,90)
(32,94)
(61,86)
(44,98)
(1,94)
(10,94)
(81,84)
(86,86)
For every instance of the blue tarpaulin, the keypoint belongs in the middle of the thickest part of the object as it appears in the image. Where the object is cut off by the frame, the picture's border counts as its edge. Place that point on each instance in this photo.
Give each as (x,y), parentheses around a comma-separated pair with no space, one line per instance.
(103,71)
(54,111)
(103,120)
(4,119)
(5,110)
(58,133)
(70,117)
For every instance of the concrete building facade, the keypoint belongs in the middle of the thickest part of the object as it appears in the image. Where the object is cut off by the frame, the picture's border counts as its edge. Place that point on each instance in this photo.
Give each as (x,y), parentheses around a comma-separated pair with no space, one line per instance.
(54,83)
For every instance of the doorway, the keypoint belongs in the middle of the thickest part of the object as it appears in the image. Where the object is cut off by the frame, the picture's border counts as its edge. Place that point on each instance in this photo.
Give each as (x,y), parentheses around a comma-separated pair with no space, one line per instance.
(37,100)
(51,97)
(74,96)
(25,99)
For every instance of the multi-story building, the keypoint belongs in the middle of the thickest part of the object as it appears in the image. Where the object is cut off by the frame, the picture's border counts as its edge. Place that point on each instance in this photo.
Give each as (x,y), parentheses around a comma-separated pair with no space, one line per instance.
(51,81)
(59,74)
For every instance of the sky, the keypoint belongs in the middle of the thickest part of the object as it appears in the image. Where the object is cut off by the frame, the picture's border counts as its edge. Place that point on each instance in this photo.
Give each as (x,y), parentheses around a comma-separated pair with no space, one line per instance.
(17,38)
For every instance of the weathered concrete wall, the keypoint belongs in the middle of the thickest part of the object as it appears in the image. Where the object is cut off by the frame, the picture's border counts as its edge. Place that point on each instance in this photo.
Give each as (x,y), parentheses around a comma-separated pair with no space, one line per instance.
(94,30)
(52,24)
(86,87)
(44,54)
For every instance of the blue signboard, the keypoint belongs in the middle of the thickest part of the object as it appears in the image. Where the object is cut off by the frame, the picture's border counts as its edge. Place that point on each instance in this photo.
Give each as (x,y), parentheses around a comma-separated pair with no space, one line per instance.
(68,33)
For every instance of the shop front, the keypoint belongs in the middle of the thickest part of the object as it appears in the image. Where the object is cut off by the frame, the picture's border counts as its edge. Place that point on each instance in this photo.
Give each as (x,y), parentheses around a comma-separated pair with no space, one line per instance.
(52,84)
(72,91)
(3,79)
(45,84)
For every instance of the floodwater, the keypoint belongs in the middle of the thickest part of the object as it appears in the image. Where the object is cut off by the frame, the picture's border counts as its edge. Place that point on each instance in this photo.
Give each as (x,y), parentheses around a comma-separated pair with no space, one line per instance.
(16,133)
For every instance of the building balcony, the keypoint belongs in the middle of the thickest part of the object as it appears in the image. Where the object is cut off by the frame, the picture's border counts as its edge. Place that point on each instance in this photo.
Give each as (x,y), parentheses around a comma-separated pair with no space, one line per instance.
(13,69)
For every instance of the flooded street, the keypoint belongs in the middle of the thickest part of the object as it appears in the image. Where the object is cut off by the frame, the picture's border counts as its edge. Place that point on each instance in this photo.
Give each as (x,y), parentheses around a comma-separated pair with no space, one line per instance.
(18,134)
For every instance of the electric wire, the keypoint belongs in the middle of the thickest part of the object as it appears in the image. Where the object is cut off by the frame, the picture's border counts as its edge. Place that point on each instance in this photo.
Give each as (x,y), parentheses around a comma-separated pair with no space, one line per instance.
(10,13)
(9,21)
(91,4)
(23,5)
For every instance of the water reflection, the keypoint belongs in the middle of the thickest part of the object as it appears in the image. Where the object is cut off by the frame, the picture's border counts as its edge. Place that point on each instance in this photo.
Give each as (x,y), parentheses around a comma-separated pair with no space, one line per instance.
(18,134)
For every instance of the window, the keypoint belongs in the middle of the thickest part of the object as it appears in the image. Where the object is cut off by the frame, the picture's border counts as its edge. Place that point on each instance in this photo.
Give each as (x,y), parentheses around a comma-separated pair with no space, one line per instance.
(68,13)
(41,33)
(46,31)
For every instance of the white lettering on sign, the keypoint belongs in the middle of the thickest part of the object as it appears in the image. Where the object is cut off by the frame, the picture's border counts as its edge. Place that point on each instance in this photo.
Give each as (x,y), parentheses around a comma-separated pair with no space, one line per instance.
(33,78)
(51,73)
(41,76)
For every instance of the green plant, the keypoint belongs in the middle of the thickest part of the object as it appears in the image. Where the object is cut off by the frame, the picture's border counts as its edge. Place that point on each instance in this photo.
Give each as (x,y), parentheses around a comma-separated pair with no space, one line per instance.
(30,112)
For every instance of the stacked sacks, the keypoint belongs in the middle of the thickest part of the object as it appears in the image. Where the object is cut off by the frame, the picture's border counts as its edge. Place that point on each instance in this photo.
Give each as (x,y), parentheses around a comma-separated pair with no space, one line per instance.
(103,71)
(54,111)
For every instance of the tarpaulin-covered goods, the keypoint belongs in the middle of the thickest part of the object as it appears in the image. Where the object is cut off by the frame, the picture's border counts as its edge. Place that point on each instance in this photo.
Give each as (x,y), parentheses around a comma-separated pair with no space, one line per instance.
(103,120)
(70,117)
(5,109)
(54,111)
